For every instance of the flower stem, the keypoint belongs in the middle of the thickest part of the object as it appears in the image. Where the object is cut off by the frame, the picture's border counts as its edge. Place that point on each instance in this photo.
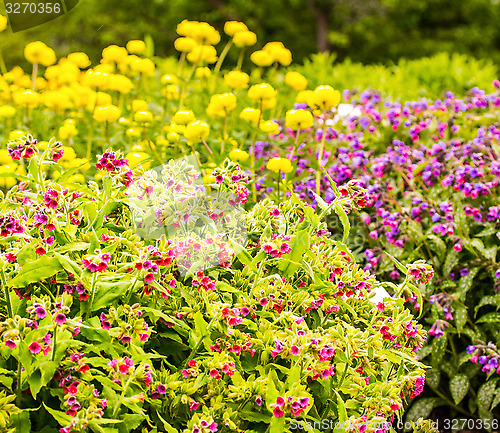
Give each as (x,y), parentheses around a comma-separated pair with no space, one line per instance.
(320,156)
(3,68)
(92,289)
(7,295)
(122,395)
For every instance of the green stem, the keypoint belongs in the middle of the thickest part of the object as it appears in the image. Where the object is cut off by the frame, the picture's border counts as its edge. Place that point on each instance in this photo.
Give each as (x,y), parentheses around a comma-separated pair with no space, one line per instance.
(35,73)
(240,59)
(54,342)
(279,181)
(18,388)
(320,156)
(92,289)
(3,68)
(222,56)
(89,140)
(122,395)
(7,295)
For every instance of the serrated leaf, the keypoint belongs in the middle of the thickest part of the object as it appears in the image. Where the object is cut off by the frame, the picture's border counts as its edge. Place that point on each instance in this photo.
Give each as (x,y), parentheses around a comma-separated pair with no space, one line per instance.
(459,387)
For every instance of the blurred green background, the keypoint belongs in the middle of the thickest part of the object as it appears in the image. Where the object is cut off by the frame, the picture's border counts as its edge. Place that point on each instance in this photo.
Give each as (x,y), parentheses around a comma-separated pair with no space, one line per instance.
(367,31)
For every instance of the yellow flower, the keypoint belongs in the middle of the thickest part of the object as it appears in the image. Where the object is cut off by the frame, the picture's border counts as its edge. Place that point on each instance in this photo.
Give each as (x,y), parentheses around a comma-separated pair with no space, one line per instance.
(145,67)
(98,80)
(209,179)
(114,53)
(7,111)
(196,131)
(16,135)
(5,157)
(183,117)
(136,158)
(27,99)
(171,92)
(79,59)
(121,83)
(261,58)
(8,182)
(186,27)
(66,131)
(109,113)
(233,27)
(245,39)
(279,164)
(269,127)
(268,103)
(261,91)
(143,116)
(57,100)
(205,34)
(185,44)
(77,178)
(304,96)
(169,79)
(203,72)
(139,105)
(296,81)
(224,102)
(136,47)
(251,115)
(133,132)
(299,119)
(203,54)
(324,97)
(3,23)
(236,80)
(238,155)
(38,52)
(279,53)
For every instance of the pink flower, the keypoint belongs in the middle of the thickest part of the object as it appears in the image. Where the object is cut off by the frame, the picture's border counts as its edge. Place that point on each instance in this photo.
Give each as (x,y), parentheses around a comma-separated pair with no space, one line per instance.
(294,350)
(193,406)
(149,278)
(35,347)
(278,412)
(280,401)
(10,343)
(60,319)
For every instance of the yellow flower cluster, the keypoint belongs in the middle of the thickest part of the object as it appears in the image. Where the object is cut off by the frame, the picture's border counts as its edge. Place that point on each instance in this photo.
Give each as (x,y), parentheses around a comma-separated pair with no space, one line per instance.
(279,164)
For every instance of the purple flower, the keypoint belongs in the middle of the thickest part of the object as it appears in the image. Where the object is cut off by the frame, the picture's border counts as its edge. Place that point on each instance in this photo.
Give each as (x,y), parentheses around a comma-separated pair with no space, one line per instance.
(483,359)
(60,319)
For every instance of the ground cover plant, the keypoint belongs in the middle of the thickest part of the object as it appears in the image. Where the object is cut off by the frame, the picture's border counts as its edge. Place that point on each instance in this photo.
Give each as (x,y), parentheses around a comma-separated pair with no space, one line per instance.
(121,314)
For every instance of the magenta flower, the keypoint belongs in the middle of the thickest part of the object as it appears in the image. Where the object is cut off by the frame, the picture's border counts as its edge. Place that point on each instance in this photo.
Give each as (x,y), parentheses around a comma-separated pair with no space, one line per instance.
(294,350)
(280,401)
(193,406)
(278,412)
(10,343)
(162,389)
(60,319)
(34,348)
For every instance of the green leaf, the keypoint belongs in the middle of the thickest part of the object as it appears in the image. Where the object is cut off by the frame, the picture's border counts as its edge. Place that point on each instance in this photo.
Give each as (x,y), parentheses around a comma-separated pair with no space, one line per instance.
(35,382)
(450,261)
(166,425)
(344,219)
(486,393)
(398,264)
(465,283)
(38,270)
(271,393)
(299,245)
(342,412)
(69,265)
(108,292)
(21,421)
(489,318)
(422,408)
(277,425)
(438,350)
(459,387)
(460,318)
(61,417)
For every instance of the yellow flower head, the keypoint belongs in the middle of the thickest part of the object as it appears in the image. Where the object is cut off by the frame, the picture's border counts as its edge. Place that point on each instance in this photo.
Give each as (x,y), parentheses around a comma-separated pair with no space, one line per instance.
(136,158)
(245,39)
(109,113)
(136,47)
(251,115)
(114,53)
(233,27)
(169,79)
(79,59)
(139,105)
(7,111)
(295,80)
(279,164)
(324,97)
(203,54)
(98,80)
(261,91)
(299,119)
(261,58)
(171,92)
(3,23)
(183,117)
(121,83)
(196,131)
(205,34)
(269,127)
(27,98)
(237,79)
(186,27)
(38,52)
(185,44)
(238,155)
(143,116)
(279,53)
(225,101)
(203,73)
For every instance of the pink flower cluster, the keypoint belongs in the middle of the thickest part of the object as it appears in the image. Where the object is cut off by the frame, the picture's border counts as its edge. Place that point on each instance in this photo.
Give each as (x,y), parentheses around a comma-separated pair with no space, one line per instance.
(10,225)
(289,404)
(25,148)
(278,245)
(97,262)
